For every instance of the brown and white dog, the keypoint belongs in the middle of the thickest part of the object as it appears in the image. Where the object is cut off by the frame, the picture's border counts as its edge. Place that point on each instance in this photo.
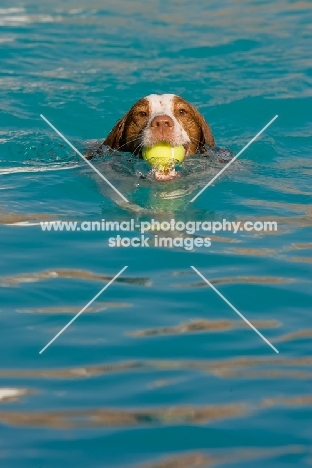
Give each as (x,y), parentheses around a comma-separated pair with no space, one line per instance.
(161,118)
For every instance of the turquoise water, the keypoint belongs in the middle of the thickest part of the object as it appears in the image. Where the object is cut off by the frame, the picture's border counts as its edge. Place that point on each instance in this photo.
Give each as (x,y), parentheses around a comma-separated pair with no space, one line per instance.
(159,371)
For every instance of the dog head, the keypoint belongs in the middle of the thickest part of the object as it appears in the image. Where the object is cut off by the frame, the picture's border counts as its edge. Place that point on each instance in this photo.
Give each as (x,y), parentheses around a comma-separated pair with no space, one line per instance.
(161,118)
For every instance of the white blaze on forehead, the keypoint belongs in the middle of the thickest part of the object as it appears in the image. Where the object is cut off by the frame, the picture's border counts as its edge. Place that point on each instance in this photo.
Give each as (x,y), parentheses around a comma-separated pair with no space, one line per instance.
(161,104)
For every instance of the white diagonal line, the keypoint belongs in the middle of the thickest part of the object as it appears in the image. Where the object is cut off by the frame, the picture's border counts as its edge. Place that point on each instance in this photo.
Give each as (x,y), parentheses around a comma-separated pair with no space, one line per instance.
(235,310)
(82,310)
(235,157)
(85,159)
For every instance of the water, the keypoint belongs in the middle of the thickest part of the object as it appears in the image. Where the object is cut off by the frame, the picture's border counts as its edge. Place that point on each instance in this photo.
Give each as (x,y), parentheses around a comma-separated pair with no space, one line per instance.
(159,371)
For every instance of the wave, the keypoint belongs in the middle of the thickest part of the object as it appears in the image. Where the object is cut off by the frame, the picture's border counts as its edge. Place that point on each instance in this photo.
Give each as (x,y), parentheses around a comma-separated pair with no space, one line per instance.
(43,168)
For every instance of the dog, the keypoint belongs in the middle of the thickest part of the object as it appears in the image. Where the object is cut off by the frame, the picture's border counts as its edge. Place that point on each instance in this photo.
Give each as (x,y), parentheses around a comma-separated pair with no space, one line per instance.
(161,118)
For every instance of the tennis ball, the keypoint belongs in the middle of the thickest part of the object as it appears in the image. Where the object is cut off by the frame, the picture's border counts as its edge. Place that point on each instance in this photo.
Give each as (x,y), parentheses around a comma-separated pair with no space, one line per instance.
(163,153)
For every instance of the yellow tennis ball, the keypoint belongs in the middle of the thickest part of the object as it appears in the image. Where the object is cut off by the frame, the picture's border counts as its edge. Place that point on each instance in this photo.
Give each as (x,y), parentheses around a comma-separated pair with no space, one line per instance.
(163,153)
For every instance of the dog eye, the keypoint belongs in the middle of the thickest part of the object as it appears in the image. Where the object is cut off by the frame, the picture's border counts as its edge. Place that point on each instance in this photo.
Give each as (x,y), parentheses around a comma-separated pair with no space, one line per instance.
(182,111)
(142,114)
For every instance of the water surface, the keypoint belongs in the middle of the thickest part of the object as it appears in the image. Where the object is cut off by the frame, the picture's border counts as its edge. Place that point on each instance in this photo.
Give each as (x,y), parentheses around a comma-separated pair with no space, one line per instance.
(159,371)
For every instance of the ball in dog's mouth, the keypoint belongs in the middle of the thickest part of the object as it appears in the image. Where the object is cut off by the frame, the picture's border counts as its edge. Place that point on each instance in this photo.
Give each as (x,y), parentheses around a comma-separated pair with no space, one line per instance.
(162,158)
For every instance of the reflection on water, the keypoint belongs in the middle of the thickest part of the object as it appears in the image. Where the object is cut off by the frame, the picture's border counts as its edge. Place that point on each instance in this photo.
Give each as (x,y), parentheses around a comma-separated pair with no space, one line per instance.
(74,373)
(300,259)
(215,459)
(219,368)
(191,460)
(305,400)
(296,335)
(173,415)
(242,279)
(8,395)
(113,418)
(10,281)
(203,325)
(12,218)
(100,307)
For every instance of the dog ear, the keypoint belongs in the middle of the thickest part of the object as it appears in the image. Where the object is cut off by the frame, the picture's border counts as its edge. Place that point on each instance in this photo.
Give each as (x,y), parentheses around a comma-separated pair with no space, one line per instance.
(115,137)
(206,133)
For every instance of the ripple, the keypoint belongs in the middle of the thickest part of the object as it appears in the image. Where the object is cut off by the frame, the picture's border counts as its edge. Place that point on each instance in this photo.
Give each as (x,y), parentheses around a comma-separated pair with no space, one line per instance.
(294,402)
(73,373)
(100,307)
(24,219)
(213,458)
(294,336)
(242,280)
(219,368)
(197,326)
(43,168)
(300,259)
(9,394)
(169,416)
(9,281)
(107,417)
(253,251)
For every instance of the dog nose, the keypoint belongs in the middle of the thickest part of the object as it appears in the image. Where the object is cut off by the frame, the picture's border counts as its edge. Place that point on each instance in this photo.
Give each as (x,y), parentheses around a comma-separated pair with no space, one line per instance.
(162,122)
